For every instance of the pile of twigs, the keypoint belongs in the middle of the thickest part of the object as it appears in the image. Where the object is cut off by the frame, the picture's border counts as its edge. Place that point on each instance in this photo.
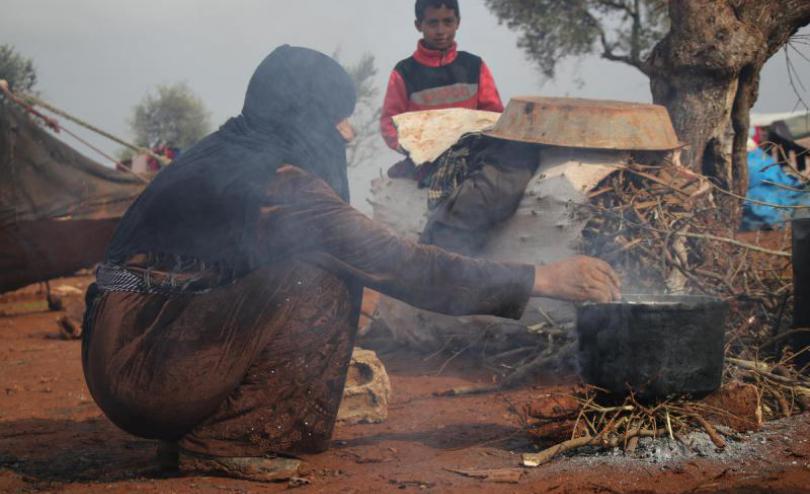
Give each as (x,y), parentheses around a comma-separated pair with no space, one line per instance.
(593,424)
(593,419)
(783,391)
(662,229)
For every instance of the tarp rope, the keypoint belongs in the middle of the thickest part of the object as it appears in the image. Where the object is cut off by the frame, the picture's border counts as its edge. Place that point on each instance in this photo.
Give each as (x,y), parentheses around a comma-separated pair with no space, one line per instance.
(26,101)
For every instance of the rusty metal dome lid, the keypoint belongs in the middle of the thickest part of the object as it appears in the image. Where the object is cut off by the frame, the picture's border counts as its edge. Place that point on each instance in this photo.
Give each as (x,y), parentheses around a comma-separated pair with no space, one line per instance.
(586,123)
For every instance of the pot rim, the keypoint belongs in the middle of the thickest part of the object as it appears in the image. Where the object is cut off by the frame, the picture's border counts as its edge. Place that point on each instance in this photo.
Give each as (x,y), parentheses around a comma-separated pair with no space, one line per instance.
(658,302)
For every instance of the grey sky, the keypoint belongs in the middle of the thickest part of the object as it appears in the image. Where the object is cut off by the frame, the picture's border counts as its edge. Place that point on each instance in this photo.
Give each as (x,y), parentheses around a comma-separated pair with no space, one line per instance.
(97,58)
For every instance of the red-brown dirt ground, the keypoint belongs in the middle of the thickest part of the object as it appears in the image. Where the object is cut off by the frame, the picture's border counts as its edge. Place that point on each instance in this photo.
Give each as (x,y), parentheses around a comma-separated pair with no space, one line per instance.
(53,438)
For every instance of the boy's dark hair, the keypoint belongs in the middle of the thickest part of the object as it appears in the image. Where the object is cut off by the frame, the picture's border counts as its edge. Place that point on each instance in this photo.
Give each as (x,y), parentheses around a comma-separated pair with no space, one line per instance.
(422,6)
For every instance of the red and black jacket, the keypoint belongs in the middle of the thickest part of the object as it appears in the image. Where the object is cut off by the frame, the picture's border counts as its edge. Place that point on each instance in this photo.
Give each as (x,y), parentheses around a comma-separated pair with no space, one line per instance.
(432,79)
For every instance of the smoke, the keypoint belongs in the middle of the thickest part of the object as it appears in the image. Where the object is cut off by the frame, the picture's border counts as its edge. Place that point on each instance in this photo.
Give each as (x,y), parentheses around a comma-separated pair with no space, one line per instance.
(362,175)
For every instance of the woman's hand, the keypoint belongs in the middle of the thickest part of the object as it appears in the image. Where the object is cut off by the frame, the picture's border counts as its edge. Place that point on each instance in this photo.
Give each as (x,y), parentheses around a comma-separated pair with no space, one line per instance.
(578,279)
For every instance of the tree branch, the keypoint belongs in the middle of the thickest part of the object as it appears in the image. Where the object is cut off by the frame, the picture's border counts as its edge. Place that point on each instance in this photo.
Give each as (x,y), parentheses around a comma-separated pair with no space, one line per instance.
(607,52)
(791,70)
(792,12)
(635,40)
(616,5)
(607,48)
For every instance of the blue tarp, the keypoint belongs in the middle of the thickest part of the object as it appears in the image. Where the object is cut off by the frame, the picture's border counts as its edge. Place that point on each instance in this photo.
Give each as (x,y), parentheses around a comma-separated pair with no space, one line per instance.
(762,168)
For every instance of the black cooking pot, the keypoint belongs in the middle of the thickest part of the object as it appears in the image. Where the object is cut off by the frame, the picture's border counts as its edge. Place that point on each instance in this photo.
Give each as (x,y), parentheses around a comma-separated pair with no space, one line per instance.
(654,346)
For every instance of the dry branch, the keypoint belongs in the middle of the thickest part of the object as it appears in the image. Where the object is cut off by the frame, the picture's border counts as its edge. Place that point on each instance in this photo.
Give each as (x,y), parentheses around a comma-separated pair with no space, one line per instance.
(710,430)
(537,459)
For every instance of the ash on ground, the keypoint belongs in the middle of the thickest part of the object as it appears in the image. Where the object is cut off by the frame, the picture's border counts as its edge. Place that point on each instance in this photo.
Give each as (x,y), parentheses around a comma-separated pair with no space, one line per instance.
(665,452)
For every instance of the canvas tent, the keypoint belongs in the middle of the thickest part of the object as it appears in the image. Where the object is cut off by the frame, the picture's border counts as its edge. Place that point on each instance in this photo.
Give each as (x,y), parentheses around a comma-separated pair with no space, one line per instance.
(58,209)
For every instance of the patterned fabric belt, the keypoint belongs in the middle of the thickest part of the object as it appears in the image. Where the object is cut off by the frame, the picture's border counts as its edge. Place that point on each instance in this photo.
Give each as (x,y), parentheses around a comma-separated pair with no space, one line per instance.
(115,278)
(451,168)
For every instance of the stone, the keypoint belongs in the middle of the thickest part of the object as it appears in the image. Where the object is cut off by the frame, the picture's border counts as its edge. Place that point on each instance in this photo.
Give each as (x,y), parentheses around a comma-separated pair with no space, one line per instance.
(367,392)
(247,468)
(735,405)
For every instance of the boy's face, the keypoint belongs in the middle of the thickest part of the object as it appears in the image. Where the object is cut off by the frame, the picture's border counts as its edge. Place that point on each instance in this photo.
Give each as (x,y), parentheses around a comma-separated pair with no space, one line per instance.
(439,27)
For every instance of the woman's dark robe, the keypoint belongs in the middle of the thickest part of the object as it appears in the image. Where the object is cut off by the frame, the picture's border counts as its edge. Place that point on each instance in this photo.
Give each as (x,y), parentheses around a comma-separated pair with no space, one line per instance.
(234,337)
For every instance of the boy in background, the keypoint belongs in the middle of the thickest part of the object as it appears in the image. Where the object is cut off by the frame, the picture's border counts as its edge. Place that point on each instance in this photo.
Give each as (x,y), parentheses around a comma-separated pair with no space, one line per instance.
(437,75)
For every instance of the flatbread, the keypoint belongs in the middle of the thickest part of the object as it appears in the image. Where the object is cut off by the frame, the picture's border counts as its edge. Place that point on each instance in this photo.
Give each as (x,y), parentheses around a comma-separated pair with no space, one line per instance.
(425,135)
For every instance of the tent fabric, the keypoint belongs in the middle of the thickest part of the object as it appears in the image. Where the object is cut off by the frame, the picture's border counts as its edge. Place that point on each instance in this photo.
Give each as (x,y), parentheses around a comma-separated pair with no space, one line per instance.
(792,129)
(58,209)
(799,126)
(44,178)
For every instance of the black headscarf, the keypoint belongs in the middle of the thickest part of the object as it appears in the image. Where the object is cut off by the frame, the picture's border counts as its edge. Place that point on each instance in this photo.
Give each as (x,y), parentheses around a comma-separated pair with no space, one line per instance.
(205,205)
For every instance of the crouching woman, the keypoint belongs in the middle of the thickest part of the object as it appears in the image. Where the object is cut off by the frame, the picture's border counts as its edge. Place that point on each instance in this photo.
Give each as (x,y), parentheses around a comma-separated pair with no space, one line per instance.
(224,316)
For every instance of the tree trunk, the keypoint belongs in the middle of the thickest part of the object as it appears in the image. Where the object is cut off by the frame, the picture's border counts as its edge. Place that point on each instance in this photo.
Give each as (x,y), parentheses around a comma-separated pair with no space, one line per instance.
(706,72)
